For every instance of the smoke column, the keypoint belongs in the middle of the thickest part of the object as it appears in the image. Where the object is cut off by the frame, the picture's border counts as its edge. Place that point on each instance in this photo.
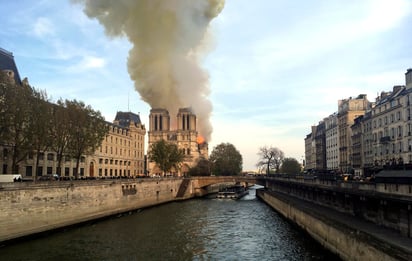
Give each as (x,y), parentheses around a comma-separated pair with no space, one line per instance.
(169,38)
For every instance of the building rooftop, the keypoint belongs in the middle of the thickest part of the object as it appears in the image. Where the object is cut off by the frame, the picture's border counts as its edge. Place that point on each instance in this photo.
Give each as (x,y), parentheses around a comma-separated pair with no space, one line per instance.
(7,63)
(125,118)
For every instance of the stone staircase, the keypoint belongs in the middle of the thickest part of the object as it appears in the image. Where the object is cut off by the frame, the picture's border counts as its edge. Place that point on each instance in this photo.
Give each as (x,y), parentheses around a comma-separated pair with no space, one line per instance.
(183,187)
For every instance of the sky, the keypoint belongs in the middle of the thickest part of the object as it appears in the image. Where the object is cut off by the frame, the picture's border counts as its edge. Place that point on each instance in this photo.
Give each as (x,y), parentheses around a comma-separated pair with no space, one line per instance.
(276,67)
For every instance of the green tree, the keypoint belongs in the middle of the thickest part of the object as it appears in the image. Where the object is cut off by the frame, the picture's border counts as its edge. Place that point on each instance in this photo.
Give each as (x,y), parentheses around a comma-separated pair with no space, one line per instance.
(290,166)
(166,155)
(41,119)
(15,119)
(202,168)
(60,131)
(270,158)
(87,130)
(226,160)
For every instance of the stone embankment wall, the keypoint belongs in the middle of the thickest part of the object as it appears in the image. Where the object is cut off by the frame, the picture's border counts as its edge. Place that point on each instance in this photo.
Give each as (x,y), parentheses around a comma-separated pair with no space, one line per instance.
(28,208)
(340,238)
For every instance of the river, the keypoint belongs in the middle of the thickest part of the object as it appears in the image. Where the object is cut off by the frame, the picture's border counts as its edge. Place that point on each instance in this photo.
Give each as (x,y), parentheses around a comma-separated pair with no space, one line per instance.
(198,229)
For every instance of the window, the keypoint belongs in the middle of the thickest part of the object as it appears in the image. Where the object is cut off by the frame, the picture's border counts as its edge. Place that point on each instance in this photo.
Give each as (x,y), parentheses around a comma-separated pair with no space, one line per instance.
(50,156)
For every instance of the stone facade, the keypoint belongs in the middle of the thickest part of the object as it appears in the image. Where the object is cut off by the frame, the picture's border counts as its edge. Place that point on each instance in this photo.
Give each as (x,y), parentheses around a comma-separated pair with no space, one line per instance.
(332,148)
(122,151)
(120,154)
(371,136)
(28,208)
(184,134)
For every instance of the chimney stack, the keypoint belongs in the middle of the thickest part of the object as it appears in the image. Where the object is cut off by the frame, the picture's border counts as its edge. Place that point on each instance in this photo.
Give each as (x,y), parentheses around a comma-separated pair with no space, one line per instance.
(408,78)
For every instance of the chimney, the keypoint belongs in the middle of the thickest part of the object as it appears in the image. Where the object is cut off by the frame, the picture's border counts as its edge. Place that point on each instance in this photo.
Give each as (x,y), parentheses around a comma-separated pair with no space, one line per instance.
(408,78)
(397,88)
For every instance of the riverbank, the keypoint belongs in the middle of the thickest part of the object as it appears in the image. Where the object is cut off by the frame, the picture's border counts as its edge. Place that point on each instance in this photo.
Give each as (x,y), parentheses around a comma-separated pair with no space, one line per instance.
(29,208)
(345,235)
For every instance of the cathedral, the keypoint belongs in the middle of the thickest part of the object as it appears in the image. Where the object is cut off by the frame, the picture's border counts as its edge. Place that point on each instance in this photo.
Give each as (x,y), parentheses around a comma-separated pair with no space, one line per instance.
(183,133)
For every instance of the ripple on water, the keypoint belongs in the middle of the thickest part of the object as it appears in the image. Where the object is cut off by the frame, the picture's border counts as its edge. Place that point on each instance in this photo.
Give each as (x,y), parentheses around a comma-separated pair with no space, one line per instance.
(201,229)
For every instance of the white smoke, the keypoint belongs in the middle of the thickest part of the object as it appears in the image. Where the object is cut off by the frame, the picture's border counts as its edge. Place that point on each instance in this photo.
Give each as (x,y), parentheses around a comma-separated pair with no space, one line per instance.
(168,38)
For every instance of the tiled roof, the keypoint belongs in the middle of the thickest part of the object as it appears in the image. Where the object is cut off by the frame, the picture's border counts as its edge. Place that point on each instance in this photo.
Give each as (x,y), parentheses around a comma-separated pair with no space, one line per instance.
(7,63)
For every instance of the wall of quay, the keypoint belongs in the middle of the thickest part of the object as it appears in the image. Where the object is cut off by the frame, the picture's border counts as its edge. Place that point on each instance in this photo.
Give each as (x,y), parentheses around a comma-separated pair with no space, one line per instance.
(29,208)
(340,237)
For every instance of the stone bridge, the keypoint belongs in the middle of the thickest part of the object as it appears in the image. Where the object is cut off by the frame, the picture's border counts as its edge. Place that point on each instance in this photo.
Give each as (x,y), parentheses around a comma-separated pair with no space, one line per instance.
(200,184)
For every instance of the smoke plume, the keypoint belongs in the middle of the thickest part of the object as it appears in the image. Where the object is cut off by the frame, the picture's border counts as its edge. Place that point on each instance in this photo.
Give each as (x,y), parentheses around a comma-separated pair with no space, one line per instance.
(169,40)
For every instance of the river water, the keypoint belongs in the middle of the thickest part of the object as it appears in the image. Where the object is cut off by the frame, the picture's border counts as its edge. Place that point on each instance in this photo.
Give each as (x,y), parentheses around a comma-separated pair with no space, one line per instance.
(198,229)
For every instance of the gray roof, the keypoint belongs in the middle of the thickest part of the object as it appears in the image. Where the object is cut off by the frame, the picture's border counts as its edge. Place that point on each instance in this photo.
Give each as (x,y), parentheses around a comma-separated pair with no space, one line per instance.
(7,63)
(124,118)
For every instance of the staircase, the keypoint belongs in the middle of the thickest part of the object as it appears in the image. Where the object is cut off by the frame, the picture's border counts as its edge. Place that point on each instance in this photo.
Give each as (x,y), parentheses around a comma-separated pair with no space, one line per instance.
(183,188)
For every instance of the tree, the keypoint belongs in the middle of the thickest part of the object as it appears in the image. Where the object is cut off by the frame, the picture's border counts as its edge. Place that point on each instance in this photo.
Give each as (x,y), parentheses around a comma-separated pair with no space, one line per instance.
(87,130)
(271,158)
(226,160)
(60,131)
(202,168)
(290,166)
(41,139)
(15,119)
(166,155)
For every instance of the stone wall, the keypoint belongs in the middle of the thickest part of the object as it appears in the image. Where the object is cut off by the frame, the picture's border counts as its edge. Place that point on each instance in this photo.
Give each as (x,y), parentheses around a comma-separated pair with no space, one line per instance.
(28,208)
(341,239)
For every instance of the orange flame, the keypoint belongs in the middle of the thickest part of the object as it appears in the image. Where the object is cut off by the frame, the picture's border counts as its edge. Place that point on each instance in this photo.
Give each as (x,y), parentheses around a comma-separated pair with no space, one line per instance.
(200,139)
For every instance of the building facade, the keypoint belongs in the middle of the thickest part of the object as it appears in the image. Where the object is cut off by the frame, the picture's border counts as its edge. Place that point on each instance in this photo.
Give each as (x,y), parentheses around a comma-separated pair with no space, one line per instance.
(184,135)
(348,111)
(371,136)
(121,154)
(309,154)
(122,151)
(332,148)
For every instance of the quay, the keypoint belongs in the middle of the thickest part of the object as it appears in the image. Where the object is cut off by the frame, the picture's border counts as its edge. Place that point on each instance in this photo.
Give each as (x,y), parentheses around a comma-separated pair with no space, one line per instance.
(355,220)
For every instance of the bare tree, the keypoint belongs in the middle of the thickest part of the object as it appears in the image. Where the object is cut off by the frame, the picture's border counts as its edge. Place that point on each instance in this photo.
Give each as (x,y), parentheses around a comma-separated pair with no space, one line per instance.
(271,158)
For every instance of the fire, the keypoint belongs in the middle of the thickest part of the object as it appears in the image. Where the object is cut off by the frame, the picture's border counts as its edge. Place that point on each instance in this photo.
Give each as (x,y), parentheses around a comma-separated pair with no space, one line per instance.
(200,139)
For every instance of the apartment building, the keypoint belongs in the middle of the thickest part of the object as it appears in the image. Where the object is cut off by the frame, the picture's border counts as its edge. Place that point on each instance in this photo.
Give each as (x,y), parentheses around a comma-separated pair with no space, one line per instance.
(371,136)
(309,152)
(367,157)
(331,137)
(121,152)
(392,127)
(348,111)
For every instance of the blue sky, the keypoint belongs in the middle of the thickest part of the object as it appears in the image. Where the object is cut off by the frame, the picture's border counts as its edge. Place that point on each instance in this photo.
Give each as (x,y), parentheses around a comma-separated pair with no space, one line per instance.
(276,67)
